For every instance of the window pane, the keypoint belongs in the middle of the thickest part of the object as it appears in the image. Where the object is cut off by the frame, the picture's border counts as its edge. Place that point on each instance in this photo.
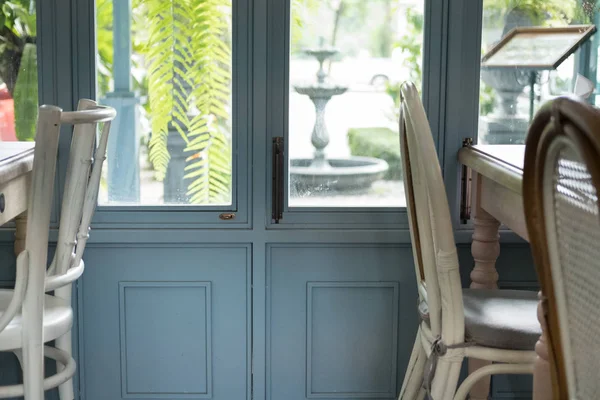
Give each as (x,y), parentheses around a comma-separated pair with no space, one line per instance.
(348,59)
(510,96)
(18,71)
(165,65)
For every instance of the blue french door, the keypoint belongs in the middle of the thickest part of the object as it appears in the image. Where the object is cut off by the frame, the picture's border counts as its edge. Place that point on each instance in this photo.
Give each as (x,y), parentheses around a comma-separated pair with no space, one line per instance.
(233,255)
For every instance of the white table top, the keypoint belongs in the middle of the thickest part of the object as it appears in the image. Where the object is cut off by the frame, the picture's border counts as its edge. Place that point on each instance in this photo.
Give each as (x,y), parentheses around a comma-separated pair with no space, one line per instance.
(512,154)
(16,158)
(500,163)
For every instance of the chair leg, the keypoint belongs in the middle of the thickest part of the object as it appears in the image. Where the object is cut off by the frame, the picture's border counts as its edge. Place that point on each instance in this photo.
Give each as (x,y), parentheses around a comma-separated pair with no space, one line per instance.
(65,391)
(446,378)
(453,376)
(413,378)
(32,333)
(33,357)
(542,387)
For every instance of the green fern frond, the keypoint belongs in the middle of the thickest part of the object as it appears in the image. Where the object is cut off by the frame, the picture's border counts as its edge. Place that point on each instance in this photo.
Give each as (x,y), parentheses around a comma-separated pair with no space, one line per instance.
(189,86)
(160,80)
(210,170)
(211,177)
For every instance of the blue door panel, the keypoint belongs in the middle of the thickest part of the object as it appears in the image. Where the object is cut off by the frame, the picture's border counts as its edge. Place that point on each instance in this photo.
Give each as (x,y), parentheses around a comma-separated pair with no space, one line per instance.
(340,321)
(156,328)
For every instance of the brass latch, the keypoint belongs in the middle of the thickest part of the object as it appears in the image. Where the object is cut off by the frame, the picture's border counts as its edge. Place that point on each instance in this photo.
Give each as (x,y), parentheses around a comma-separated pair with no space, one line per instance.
(227,216)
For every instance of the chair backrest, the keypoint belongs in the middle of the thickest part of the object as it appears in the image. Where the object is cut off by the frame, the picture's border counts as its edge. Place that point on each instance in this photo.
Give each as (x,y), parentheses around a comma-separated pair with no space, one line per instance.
(560,184)
(82,182)
(81,186)
(434,250)
(80,195)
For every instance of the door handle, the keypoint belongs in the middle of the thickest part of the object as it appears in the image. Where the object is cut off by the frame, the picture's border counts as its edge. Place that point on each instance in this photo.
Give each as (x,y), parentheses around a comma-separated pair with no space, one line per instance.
(278,181)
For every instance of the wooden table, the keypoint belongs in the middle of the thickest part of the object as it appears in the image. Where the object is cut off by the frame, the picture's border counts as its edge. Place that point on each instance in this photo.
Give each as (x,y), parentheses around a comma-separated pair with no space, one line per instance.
(16,163)
(497,197)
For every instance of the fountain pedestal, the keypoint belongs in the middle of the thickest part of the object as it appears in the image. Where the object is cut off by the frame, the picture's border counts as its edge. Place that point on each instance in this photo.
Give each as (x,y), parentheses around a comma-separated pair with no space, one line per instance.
(505,125)
(320,136)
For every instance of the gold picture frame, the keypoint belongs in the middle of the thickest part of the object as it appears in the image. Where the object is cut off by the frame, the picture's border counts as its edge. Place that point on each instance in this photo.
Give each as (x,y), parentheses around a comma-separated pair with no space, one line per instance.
(537,48)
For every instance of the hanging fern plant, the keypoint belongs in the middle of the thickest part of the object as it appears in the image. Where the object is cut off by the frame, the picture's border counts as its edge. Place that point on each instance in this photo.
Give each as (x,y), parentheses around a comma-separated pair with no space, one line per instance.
(189,91)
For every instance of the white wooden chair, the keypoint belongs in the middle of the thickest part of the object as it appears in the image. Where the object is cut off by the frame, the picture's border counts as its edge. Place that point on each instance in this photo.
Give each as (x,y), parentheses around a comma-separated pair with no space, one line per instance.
(561,183)
(30,318)
(493,325)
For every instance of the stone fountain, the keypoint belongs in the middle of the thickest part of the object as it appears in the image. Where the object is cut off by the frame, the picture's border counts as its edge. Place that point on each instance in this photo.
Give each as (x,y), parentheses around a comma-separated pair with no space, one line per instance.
(506,124)
(321,174)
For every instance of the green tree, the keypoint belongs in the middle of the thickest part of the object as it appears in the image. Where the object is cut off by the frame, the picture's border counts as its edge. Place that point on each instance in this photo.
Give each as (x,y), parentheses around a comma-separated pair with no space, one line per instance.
(104,40)
(541,12)
(383,36)
(104,46)
(411,44)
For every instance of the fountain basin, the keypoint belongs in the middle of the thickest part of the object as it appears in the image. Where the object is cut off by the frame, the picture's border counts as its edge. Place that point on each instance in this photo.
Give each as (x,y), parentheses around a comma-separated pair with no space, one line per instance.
(354,173)
(320,91)
(321,53)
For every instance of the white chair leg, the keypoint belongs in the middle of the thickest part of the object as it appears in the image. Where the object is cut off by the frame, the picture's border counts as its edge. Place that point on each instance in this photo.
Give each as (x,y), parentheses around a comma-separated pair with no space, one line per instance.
(453,376)
(413,378)
(33,356)
(65,391)
(446,378)
(438,386)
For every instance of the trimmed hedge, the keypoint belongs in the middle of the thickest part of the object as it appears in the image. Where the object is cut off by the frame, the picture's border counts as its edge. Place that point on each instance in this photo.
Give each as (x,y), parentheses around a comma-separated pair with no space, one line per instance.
(380,143)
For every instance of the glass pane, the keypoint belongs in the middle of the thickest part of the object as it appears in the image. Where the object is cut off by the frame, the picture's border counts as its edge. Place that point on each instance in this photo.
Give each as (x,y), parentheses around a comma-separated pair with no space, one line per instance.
(510,96)
(348,59)
(166,66)
(18,71)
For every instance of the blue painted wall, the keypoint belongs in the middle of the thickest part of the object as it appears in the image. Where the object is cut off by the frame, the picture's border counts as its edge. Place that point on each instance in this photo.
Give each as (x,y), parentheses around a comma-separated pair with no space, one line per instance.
(338,319)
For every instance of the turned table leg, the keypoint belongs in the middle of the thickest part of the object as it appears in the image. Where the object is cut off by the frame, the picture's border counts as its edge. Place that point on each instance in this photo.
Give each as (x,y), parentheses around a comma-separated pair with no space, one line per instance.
(542,384)
(21,230)
(485,250)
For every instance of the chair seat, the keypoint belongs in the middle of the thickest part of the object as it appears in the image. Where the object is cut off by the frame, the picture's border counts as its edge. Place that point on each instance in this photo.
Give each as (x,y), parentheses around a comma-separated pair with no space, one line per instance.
(58,319)
(504,319)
